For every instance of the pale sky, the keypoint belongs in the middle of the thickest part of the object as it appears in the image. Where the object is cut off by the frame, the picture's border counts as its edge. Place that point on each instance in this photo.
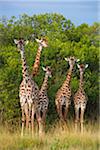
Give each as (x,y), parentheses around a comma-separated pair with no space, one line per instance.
(78,11)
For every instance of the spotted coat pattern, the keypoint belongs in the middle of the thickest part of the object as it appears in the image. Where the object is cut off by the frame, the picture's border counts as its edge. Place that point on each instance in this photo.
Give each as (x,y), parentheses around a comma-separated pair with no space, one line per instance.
(43,97)
(28,88)
(63,95)
(42,43)
(80,98)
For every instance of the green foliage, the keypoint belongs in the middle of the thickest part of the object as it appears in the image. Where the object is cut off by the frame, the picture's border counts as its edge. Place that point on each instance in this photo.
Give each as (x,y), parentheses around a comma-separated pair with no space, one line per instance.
(64,40)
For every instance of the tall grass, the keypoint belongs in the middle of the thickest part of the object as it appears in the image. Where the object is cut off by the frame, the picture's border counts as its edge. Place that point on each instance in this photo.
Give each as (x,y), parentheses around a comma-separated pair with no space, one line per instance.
(56,138)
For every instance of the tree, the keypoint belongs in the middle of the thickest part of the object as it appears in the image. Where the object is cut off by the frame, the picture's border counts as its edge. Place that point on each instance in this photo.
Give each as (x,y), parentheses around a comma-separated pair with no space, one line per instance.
(64,40)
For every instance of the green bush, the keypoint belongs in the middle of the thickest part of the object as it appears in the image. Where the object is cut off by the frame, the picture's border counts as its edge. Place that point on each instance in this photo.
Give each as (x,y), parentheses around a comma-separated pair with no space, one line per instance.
(64,40)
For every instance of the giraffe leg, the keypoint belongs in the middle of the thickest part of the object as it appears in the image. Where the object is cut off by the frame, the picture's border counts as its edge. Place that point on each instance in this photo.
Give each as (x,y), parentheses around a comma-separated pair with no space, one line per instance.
(65,113)
(81,118)
(58,111)
(32,119)
(41,127)
(61,113)
(76,118)
(44,119)
(37,117)
(40,123)
(64,117)
(23,121)
(27,117)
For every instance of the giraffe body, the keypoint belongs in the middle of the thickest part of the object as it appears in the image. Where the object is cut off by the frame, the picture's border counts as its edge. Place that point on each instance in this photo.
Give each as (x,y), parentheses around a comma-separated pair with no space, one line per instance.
(63,95)
(80,99)
(42,43)
(28,91)
(43,102)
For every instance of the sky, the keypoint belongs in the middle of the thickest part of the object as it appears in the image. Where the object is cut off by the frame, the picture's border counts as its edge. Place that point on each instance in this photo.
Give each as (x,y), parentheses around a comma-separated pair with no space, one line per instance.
(78,11)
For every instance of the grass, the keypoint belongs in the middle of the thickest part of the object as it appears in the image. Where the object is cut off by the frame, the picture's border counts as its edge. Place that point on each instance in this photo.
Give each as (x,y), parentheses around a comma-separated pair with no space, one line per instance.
(56,138)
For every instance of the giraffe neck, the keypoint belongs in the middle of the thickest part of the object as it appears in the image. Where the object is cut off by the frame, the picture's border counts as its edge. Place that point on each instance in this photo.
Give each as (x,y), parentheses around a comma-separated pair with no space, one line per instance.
(37,61)
(45,84)
(24,66)
(68,77)
(81,81)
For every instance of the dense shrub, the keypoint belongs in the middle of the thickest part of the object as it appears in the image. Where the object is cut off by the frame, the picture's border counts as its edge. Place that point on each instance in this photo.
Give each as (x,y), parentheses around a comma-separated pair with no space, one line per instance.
(64,40)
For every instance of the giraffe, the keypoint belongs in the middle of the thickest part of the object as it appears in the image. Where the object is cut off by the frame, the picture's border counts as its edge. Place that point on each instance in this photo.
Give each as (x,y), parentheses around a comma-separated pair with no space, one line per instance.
(28,91)
(63,95)
(43,102)
(80,99)
(42,43)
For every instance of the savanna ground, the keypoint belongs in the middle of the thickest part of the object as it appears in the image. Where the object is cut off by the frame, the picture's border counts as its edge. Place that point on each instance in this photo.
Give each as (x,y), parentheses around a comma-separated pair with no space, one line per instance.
(56,138)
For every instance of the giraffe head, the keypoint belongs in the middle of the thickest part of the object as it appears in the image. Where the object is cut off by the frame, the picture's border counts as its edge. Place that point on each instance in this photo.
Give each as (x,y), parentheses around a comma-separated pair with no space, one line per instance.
(71,61)
(20,44)
(48,71)
(82,67)
(43,42)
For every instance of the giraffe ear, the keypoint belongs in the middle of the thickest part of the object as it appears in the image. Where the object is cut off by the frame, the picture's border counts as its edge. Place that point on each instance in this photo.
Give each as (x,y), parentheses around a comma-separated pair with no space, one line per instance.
(15,41)
(78,65)
(77,60)
(44,69)
(37,40)
(26,42)
(66,59)
(86,66)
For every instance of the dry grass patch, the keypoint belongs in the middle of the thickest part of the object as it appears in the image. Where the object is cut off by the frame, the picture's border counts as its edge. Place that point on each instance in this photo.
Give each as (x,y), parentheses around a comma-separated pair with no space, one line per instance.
(57,138)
